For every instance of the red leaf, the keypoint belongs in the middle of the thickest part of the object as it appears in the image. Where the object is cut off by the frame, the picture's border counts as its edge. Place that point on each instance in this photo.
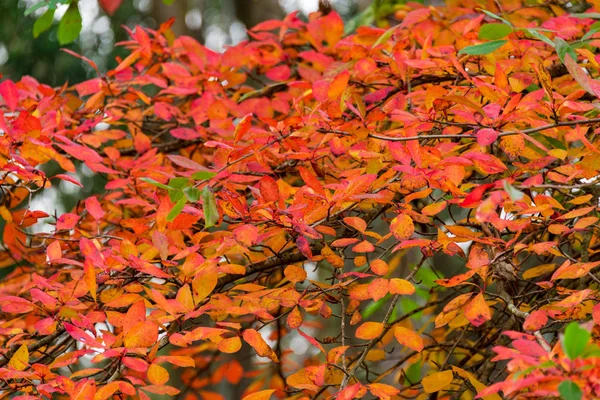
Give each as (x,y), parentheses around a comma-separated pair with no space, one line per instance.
(243,127)
(110,6)
(304,247)
(269,189)
(185,134)
(66,222)
(474,197)
(92,205)
(536,321)
(10,94)
(68,178)
(486,136)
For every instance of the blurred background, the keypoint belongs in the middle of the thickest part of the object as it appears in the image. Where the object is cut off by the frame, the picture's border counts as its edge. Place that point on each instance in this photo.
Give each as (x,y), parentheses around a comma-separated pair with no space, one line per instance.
(216,23)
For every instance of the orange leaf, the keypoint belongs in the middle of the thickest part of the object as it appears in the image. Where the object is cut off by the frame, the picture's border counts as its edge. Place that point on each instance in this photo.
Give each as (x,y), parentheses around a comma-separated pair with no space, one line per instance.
(243,127)
(477,311)
(262,395)
(295,273)
(369,330)
(254,339)
(294,319)
(53,251)
(378,288)
(143,334)
(357,223)
(408,338)
(379,267)
(402,227)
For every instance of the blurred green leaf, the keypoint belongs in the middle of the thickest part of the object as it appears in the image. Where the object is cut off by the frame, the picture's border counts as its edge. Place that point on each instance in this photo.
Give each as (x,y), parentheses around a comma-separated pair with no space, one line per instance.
(179,183)
(35,7)
(563,48)
(177,208)
(494,31)
(157,184)
(192,193)
(209,207)
(373,307)
(69,25)
(514,193)
(499,18)
(43,23)
(536,34)
(569,391)
(483,48)
(203,175)
(575,340)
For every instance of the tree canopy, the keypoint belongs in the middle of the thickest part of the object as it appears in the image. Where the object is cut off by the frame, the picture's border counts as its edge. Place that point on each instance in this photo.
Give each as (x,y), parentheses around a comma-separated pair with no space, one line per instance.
(393,213)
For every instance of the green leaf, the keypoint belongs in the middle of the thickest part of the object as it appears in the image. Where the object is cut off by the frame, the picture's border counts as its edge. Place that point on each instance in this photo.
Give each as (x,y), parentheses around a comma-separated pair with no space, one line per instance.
(177,208)
(175,195)
(575,340)
(413,373)
(536,34)
(168,2)
(386,35)
(514,193)
(563,48)
(499,18)
(157,184)
(179,183)
(483,48)
(586,15)
(494,31)
(34,8)
(70,25)
(192,193)
(373,307)
(569,391)
(43,23)
(366,17)
(209,207)
(589,34)
(554,142)
(203,175)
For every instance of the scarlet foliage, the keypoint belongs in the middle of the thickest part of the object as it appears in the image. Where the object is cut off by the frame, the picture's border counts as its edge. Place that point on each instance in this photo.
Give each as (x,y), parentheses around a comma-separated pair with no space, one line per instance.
(281,218)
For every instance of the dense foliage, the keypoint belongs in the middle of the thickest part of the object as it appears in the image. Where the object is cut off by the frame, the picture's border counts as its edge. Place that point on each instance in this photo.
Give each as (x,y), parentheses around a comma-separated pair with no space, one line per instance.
(387,214)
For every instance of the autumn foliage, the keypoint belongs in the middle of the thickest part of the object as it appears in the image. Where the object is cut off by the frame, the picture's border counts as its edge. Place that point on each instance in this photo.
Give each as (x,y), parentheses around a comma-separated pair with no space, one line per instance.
(388,214)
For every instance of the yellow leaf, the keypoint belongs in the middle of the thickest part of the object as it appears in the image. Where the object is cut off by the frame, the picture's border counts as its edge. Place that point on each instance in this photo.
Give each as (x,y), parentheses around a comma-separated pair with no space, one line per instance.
(438,381)
(369,330)
(476,384)
(230,345)
(157,375)
(203,285)
(262,395)
(402,227)
(20,360)
(401,286)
